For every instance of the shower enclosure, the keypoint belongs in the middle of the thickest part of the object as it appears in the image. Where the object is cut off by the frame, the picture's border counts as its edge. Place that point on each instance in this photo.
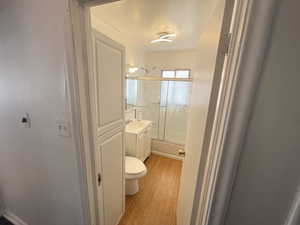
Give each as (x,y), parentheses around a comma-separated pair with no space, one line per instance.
(163,101)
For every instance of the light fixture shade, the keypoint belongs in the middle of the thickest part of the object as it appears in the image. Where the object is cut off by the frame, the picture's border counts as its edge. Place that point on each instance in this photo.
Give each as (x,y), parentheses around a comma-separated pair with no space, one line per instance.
(161,40)
(164,37)
(167,36)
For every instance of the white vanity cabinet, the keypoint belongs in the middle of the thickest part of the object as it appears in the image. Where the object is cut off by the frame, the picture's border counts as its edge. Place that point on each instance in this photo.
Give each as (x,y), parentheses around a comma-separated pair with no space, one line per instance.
(138,139)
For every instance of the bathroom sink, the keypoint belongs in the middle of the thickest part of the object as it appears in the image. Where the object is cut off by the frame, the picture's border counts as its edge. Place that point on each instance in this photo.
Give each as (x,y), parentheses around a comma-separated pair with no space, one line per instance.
(137,126)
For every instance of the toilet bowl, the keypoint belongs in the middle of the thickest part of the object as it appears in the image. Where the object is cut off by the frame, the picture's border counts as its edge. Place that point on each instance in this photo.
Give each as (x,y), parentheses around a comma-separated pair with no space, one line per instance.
(134,169)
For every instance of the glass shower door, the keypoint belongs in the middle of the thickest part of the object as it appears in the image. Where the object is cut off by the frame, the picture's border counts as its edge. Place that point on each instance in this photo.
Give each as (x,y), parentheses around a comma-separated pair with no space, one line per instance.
(163,102)
(149,104)
(175,100)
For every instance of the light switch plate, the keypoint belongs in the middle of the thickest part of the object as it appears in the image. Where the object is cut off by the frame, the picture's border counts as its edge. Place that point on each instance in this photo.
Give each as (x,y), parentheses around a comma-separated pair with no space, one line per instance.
(63,128)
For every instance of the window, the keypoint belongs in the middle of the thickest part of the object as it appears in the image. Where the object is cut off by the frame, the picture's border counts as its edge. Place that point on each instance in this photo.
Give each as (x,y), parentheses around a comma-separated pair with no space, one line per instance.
(168,74)
(176,73)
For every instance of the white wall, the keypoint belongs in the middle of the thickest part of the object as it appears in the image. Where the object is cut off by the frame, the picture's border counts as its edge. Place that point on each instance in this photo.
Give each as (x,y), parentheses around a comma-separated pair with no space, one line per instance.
(268,181)
(134,52)
(38,169)
(202,84)
(163,60)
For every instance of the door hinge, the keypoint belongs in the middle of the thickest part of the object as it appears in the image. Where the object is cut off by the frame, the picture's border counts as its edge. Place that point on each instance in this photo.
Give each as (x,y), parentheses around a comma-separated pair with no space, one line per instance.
(99,179)
(226,43)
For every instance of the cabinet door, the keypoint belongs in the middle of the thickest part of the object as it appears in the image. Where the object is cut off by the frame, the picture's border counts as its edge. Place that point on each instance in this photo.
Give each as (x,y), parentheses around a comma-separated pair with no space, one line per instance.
(147,143)
(140,147)
(108,118)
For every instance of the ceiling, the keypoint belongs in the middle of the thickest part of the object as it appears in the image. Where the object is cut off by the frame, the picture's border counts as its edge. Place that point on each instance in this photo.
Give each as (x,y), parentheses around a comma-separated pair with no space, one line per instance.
(141,20)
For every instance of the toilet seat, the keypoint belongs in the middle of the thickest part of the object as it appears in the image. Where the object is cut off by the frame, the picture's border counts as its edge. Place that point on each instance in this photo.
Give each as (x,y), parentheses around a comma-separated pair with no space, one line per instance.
(134,168)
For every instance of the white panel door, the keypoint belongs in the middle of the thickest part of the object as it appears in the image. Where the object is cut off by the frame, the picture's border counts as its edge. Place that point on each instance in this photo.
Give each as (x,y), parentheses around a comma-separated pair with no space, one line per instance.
(112,178)
(109,69)
(107,105)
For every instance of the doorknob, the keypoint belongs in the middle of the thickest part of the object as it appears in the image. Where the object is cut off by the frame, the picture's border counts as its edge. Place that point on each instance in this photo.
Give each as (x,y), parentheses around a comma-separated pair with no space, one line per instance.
(181,152)
(99,179)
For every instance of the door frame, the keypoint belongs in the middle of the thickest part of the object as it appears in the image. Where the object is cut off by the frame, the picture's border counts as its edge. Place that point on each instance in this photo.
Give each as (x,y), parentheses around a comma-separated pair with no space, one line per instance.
(211,204)
(233,33)
(79,46)
(255,39)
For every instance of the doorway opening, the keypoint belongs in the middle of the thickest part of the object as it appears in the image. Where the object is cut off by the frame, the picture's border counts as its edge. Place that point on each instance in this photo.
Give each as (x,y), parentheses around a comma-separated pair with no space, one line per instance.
(157,90)
(151,68)
(162,54)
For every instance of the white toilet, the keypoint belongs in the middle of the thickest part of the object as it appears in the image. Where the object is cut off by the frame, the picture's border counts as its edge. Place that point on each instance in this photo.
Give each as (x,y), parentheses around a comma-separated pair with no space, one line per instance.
(134,169)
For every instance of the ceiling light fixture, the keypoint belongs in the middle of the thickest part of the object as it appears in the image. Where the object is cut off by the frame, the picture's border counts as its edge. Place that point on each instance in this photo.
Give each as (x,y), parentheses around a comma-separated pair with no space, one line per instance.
(164,37)
(161,40)
(133,69)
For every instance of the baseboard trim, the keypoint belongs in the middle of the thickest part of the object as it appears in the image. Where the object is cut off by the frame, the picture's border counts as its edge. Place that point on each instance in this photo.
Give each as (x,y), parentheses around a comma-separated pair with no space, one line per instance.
(171,156)
(13,218)
(119,220)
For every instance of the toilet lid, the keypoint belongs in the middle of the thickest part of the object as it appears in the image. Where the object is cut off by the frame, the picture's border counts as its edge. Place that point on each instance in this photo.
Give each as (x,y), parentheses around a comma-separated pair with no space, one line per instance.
(134,165)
